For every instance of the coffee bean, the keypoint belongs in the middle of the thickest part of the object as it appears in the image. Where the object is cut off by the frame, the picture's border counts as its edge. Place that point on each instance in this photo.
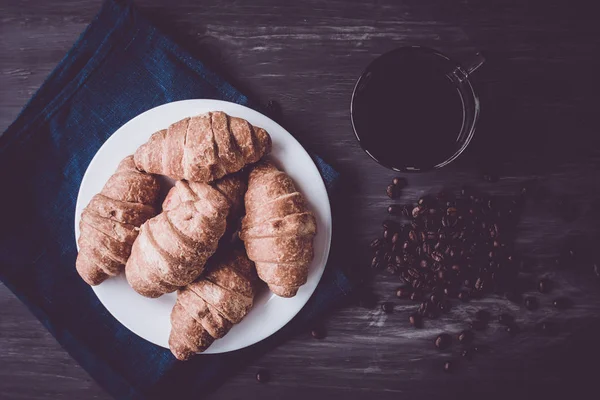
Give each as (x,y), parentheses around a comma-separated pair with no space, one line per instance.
(512,329)
(467,354)
(443,341)
(531,303)
(403,292)
(463,296)
(478,325)
(544,285)
(399,182)
(377,244)
(318,332)
(415,212)
(375,263)
(387,307)
(263,376)
(435,298)
(466,337)
(562,303)
(448,366)
(483,315)
(407,211)
(395,238)
(393,191)
(416,320)
(506,319)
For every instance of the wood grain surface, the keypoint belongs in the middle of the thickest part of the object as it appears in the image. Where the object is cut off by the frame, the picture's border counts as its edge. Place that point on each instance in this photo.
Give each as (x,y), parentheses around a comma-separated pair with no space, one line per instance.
(539,121)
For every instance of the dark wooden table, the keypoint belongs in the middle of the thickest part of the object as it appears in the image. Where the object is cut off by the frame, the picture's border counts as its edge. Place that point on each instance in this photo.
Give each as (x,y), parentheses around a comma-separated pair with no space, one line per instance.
(539,118)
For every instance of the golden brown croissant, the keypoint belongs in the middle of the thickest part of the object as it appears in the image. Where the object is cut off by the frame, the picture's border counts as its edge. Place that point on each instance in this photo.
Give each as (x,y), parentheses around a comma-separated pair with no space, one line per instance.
(277,230)
(207,308)
(172,248)
(203,148)
(109,223)
(232,187)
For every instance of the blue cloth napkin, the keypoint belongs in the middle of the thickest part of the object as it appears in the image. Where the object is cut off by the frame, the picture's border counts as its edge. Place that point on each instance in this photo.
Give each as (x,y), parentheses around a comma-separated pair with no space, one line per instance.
(120,67)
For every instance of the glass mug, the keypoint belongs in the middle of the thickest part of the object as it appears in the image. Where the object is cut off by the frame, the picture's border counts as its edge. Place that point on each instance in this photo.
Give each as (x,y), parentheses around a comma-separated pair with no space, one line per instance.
(414,109)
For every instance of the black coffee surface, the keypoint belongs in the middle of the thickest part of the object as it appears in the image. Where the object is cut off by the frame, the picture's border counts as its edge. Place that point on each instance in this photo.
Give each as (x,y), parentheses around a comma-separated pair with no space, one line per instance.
(407,111)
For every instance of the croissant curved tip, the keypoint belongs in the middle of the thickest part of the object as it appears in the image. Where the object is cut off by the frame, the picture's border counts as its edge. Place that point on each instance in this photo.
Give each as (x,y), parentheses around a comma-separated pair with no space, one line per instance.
(284,291)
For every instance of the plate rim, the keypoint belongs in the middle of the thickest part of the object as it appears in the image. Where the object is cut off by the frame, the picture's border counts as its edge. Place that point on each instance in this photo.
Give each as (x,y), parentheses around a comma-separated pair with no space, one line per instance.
(327,214)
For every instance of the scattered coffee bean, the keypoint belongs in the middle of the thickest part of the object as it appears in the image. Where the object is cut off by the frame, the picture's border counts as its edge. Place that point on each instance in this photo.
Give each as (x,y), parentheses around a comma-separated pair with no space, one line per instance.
(375,263)
(506,319)
(466,337)
(448,366)
(403,292)
(531,303)
(596,269)
(467,354)
(399,181)
(478,325)
(377,244)
(416,320)
(483,315)
(512,329)
(393,191)
(387,234)
(318,332)
(263,376)
(544,286)
(562,303)
(443,341)
(387,307)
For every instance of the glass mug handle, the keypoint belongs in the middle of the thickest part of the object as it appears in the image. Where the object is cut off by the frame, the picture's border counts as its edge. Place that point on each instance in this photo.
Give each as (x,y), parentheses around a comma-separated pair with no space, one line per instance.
(463,73)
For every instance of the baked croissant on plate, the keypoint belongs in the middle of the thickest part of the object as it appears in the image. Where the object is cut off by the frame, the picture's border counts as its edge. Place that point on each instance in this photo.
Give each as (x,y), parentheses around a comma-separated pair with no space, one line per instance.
(109,223)
(232,187)
(172,248)
(207,308)
(278,229)
(203,148)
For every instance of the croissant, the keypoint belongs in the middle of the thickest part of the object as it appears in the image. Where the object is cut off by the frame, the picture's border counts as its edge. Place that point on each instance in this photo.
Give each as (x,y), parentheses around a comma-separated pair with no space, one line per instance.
(232,187)
(203,148)
(109,223)
(206,309)
(172,248)
(277,230)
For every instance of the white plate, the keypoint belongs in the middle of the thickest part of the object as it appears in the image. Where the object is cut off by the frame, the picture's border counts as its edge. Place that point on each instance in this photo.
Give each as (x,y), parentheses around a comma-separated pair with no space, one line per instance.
(149,318)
